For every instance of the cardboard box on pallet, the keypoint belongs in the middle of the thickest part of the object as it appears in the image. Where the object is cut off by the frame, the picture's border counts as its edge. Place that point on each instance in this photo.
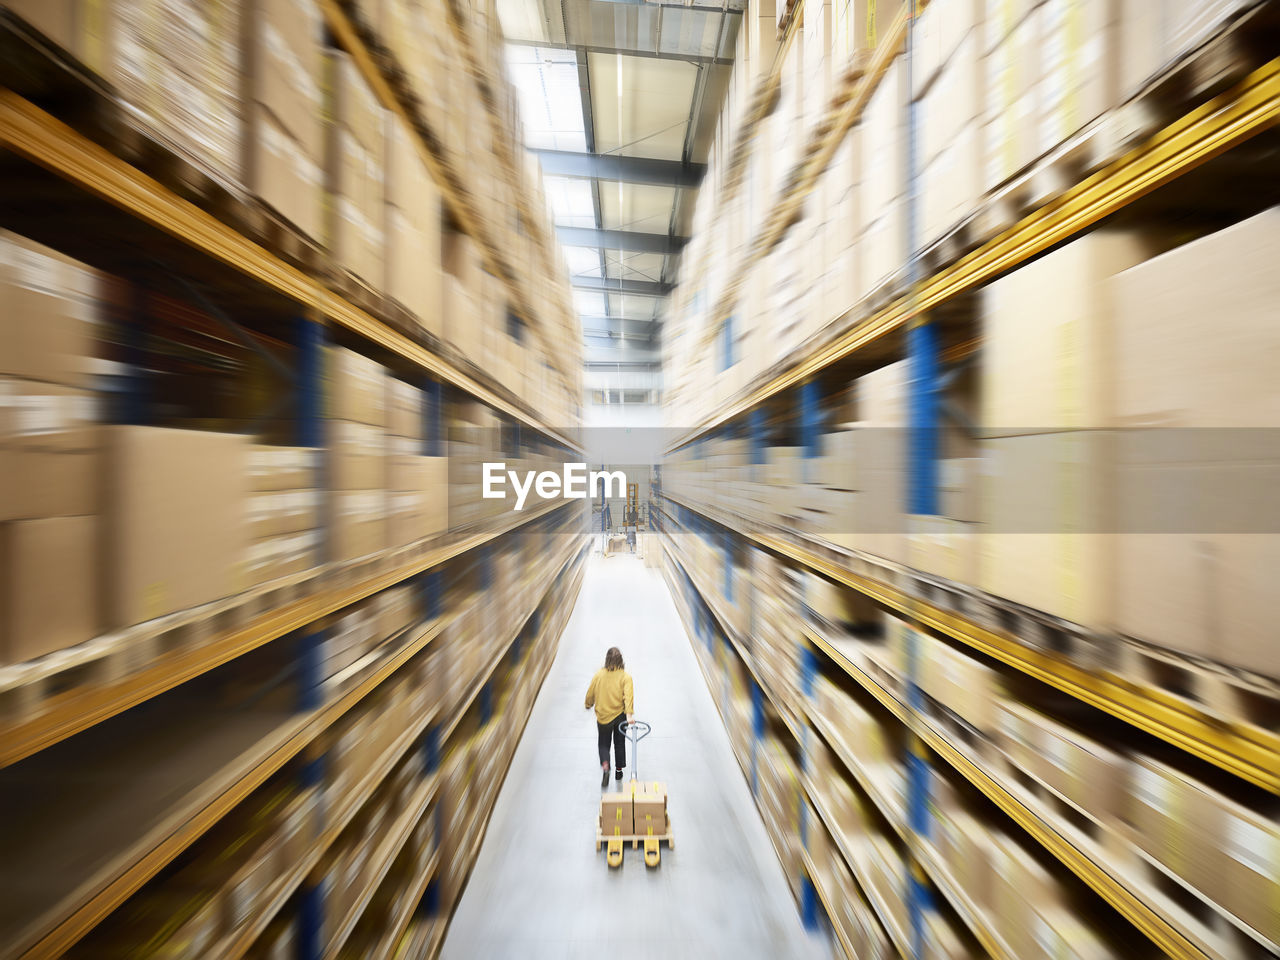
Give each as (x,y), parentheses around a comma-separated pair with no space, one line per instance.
(1047,333)
(1154,34)
(50,451)
(1089,774)
(954,102)
(177,64)
(1081,65)
(354,163)
(960,682)
(616,814)
(174,534)
(282,468)
(951,184)
(1046,509)
(49,585)
(359,524)
(1171,817)
(412,229)
(278,556)
(61,21)
(404,410)
(283,43)
(1023,890)
(277,512)
(1195,467)
(943,547)
(355,388)
(50,328)
(1012,90)
(418,499)
(357,456)
(883,143)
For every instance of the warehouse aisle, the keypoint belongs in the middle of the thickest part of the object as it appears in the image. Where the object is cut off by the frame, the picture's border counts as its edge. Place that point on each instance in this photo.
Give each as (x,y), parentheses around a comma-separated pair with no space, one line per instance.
(540,890)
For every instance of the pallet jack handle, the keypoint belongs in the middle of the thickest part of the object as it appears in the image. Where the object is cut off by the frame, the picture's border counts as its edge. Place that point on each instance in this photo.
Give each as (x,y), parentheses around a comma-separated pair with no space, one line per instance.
(635,731)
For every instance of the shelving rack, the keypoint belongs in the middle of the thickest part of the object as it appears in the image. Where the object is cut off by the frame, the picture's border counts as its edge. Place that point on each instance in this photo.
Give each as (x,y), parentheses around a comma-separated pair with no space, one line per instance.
(1208,106)
(151,215)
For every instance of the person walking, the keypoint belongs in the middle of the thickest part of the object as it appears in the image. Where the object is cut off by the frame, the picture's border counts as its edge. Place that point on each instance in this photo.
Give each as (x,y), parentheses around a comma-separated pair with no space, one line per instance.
(611,694)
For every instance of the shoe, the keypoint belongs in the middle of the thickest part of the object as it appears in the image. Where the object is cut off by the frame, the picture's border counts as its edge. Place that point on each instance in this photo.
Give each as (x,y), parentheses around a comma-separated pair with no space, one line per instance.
(604,780)
(617,775)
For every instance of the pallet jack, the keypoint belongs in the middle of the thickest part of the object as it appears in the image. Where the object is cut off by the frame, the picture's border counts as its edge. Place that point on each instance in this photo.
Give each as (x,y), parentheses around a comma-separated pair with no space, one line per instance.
(635,731)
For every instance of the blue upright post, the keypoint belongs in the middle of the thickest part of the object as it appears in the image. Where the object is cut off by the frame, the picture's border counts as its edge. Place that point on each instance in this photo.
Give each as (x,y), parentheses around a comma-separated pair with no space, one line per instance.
(310,339)
(309,432)
(808,903)
(431,749)
(431,584)
(757,731)
(810,423)
(922,490)
(432,418)
(311,922)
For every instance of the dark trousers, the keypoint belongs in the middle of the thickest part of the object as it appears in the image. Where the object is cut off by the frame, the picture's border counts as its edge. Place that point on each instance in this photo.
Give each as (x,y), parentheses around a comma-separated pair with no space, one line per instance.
(611,729)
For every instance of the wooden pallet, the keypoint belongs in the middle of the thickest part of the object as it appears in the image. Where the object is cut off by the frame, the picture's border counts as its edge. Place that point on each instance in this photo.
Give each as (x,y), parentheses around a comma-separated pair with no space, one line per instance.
(28,689)
(1201,685)
(635,839)
(1112,845)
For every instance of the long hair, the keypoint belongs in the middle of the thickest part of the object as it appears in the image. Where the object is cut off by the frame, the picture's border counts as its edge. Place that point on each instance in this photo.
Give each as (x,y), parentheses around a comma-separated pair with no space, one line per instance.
(613,660)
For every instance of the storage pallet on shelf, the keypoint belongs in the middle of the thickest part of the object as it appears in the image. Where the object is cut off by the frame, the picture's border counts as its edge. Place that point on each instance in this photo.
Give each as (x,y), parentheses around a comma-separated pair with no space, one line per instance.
(1176,917)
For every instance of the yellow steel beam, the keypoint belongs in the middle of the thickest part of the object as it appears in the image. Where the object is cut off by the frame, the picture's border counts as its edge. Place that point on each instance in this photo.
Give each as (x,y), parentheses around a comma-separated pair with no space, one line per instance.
(43,139)
(32,133)
(1253,755)
(1249,108)
(78,710)
(271,756)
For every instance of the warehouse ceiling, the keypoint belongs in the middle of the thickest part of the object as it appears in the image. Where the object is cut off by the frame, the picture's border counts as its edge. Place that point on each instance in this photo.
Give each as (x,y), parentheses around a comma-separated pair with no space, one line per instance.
(619,100)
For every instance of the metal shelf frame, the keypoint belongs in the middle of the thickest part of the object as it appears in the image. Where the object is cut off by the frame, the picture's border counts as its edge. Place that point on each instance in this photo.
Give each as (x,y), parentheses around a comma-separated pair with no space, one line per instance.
(1247,109)
(292,741)
(454,192)
(1246,754)
(901,825)
(41,138)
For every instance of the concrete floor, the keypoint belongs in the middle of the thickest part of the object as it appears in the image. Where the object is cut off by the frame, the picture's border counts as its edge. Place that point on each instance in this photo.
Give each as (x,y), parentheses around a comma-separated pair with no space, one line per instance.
(540,889)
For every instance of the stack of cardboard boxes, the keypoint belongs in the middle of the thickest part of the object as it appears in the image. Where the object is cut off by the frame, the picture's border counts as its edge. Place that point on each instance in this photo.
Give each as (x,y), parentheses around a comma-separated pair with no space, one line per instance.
(1196,512)
(1046,402)
(177,532)
(416,485)
(412,230)
(177,63)
(462,279)
(357,141)
(357,419)
(284,137)
(947,86)
(883,142)
(639,809)
(50,452)
(283,512)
